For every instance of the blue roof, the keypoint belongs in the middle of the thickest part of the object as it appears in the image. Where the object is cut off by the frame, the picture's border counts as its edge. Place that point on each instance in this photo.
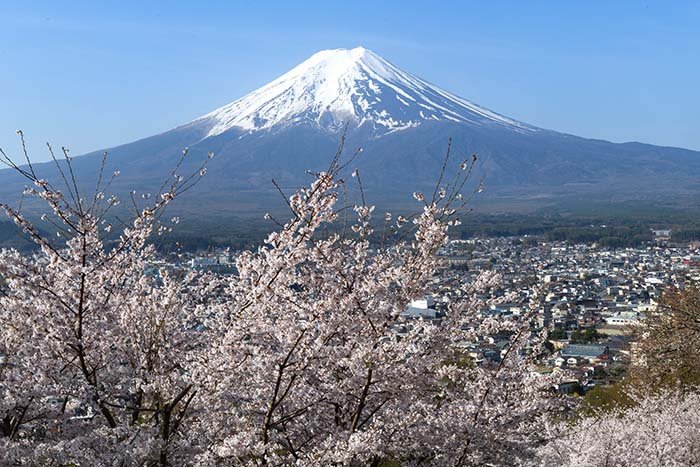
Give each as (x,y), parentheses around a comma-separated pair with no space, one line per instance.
(583,350)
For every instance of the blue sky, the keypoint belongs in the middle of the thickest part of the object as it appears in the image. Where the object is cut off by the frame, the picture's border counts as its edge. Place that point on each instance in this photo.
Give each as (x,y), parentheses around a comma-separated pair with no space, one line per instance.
(90,75)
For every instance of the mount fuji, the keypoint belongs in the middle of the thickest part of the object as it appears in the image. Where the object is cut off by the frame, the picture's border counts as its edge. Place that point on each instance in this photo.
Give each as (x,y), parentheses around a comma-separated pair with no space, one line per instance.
(403,123)
(334,88)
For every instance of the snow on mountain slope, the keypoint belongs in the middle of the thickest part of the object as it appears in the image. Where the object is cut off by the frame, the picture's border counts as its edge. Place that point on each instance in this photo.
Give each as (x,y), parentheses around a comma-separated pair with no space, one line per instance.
(356,86)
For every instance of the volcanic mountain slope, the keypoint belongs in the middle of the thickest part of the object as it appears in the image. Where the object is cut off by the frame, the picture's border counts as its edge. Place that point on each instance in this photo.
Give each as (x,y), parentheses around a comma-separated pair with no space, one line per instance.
(337,87)
(403,123)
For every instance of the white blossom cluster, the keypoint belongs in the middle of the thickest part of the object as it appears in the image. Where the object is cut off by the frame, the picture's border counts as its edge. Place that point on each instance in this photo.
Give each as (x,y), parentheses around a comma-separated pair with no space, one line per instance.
(661,430)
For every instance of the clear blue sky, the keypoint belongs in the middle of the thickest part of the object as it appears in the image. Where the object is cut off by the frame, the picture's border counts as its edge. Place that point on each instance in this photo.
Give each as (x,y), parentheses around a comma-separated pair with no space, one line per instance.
(89,75)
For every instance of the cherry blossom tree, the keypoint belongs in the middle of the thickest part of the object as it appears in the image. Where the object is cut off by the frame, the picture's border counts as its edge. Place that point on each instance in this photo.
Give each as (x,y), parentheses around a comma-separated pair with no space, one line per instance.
(313,364)
(302,357)
(93,347)
(662,430)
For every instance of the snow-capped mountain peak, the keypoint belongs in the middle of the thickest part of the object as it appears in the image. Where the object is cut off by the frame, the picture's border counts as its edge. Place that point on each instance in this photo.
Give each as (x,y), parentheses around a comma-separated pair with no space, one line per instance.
(336,87)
